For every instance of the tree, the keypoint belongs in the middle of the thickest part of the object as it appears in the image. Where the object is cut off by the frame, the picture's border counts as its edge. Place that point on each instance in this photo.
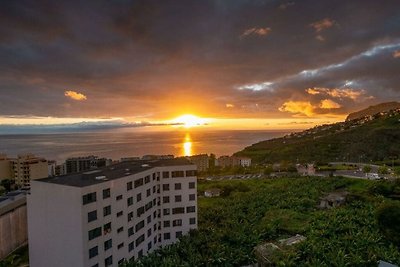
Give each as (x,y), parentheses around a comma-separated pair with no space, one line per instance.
(367,169)
(388,217)
(383,170)
(7,183)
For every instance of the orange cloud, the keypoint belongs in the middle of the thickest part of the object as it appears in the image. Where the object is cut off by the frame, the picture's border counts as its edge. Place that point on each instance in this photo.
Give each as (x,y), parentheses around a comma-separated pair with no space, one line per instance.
(228,105)
(75,95)
(322,24)
(396,54)
(256,31)
(329,104)
(312,91)
(298,107)
(337,92)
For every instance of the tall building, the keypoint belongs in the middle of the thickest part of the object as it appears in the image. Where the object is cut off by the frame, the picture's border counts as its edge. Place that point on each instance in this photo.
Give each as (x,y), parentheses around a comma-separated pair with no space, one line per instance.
(201,161)
(80,164)
(103,217)
(29,167)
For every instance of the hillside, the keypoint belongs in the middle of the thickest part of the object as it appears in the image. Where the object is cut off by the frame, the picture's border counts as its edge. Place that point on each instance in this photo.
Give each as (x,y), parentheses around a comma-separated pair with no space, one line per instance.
(370,138)
(372,110)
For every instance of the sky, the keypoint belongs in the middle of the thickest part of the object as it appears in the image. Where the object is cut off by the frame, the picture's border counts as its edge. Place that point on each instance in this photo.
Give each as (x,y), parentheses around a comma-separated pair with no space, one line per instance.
(239,63)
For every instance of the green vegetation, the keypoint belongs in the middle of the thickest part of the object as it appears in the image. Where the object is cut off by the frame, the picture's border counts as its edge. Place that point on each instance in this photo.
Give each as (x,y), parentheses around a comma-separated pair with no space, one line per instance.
(256,211)
(362,140)
(18,258)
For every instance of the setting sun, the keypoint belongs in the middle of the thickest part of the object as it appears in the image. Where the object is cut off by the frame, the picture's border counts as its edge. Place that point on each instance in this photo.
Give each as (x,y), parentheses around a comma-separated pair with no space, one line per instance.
(189,121)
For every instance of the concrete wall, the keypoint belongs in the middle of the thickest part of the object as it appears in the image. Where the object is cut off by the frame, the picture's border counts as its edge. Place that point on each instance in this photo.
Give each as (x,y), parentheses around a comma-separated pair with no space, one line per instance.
(55,225)
(13,230)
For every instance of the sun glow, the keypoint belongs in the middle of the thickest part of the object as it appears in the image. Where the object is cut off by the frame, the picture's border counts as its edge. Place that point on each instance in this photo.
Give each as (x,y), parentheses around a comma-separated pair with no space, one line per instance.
(189,121)
(187,145)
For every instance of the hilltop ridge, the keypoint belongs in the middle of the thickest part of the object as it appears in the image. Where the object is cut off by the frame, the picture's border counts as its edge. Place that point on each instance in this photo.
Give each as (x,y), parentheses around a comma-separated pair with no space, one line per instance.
(372,110)
(367,138)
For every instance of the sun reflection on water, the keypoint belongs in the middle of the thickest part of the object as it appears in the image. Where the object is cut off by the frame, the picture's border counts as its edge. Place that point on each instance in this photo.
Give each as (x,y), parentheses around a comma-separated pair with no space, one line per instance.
(187,145)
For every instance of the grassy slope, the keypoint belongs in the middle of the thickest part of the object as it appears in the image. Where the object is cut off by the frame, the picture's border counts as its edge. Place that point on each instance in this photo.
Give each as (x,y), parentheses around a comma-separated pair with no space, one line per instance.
(374,140)
(266,210)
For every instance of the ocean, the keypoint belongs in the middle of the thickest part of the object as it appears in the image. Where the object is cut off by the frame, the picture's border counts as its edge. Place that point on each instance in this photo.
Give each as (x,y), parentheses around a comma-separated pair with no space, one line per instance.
(117,143)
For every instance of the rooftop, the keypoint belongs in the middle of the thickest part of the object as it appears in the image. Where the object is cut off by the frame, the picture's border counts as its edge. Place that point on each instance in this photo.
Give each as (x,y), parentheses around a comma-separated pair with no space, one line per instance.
(112,172)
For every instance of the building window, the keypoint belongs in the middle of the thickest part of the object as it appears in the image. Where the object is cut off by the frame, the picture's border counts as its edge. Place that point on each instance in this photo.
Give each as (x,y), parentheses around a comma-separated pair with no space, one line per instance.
(165,175)
(138,197)
(107,228)
(130,231)
(167,236)
(192,197)
(154,189)
(96,232)
(191,173)
(129,201)
(192,185)
(89,198)
(177,174)
(119,230)
(108,244)
(166,211)
(138,182)
(106,211)
(130,216)
(139,225)
(131,246)
(178,234)
(177,222)
(166,224)
(148,192)
(140,253)
(178,210)
(192,221)
(178,198)
(148,219)
(149,232)
(96,265)
(108,261)
(149,246)
(190,209)
(121,261)
(119,214)
(166,199)
(119,197)
(140,211)
(128,186)
(139,240)
(106,193)
(147,179)
(165,187)
(93,252)
(178,186)
(120,245)
(92,216)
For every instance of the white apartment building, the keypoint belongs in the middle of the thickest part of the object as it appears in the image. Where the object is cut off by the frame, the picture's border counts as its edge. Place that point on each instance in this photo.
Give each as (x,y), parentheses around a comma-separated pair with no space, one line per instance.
(103,217)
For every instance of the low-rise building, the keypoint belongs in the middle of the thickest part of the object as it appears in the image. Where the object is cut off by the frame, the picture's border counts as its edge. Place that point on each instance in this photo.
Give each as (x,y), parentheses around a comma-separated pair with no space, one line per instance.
(212,192)
(106,216)
(5,167)
(79,164)
(13,222)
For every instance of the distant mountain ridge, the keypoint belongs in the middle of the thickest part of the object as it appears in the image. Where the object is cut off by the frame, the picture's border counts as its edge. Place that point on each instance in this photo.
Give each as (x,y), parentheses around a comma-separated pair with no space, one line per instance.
(372,110)
(366,138)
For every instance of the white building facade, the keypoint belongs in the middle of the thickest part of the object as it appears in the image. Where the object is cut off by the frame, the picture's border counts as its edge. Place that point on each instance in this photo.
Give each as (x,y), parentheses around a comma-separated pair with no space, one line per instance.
(108,216)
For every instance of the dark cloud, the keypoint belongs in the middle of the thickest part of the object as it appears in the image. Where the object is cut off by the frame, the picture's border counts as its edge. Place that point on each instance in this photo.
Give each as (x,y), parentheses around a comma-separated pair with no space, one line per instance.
(156,58)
